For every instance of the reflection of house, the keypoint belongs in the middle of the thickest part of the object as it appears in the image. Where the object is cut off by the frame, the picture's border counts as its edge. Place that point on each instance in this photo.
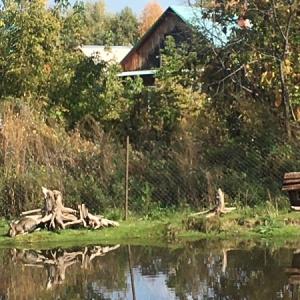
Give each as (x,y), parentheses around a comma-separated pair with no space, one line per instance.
(106,53)
(294,270)
(177,21)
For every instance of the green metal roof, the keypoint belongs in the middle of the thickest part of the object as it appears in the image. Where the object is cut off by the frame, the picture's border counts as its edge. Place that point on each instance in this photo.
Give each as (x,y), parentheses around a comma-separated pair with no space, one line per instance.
(202,20)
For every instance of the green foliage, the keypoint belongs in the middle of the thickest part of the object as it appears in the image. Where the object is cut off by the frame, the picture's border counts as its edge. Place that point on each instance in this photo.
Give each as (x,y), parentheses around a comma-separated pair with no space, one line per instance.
(29,43)
(99,27)
(233,125)
(96,90)
(268,226)
(124,27)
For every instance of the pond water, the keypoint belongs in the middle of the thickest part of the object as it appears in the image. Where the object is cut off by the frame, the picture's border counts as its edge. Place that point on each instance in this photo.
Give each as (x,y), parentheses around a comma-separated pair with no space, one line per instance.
(198,270)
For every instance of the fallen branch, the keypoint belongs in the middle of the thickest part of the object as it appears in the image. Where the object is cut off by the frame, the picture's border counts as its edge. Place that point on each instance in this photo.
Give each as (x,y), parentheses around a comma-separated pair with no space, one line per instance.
(29,212)
(203,212)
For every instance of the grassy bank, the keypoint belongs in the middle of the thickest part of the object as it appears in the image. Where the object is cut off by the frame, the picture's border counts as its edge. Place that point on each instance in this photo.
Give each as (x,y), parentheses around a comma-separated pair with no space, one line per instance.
(171,227)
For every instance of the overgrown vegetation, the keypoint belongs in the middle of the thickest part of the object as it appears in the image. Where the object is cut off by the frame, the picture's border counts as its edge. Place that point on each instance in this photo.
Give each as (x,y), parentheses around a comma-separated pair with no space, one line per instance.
(233,125)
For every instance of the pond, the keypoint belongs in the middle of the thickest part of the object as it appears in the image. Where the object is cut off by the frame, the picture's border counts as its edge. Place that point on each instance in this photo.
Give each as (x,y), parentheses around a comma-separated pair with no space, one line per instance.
(197,270)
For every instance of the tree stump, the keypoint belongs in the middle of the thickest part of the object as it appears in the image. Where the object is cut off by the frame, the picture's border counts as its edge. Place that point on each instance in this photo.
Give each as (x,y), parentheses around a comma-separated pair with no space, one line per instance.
(219,209)
(55,213)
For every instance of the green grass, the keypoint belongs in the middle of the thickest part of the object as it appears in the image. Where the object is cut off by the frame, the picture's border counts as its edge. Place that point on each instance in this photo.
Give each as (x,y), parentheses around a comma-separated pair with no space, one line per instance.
(170,227)
(132,232)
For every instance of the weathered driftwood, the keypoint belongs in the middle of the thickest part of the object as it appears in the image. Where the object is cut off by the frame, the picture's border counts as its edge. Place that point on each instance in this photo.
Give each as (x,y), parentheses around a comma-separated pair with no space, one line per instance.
(54,213)
(60,213)
(89,220)
(29,212)
(219,209)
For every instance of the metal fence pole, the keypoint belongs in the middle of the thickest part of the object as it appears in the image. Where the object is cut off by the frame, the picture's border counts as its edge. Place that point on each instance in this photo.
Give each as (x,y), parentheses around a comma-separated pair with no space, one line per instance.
(126,177)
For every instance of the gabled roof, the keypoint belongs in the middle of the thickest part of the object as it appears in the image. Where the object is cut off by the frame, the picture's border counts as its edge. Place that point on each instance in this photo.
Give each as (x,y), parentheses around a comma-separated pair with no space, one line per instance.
(198,18)
(106,53)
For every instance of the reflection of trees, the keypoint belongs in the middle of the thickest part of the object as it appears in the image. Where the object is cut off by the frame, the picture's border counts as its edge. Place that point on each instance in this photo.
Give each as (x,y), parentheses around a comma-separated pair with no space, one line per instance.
(200,270)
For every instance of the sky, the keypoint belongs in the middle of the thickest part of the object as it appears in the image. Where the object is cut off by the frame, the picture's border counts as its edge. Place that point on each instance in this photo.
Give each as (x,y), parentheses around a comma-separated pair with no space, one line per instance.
(137,5)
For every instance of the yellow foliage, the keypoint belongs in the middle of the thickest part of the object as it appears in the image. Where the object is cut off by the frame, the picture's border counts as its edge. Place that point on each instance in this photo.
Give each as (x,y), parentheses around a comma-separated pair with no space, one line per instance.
(297,112)
(150,13)
(26,138)
(287,66)
(267,77)
(278,98)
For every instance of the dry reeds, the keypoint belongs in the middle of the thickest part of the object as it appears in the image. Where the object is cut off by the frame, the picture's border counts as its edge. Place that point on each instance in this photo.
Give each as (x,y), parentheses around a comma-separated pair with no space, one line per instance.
(33,154)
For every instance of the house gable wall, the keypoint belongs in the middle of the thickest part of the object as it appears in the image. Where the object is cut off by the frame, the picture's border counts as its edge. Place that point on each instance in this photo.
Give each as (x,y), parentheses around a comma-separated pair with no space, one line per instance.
(146,55)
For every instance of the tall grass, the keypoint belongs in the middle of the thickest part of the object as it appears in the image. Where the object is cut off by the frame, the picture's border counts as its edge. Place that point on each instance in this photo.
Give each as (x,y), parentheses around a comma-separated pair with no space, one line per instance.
(34,154)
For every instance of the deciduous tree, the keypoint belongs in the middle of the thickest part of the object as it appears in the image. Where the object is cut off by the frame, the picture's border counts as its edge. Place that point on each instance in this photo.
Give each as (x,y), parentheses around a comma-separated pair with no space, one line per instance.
(150,13)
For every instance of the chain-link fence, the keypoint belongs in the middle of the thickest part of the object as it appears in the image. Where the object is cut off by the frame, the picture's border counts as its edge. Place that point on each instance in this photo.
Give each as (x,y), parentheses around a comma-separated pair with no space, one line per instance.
(249,173)
(182,173)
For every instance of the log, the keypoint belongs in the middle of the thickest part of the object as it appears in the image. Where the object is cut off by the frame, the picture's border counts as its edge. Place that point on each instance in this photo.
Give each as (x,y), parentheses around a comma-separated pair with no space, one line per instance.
(82,214)
(106,222)
(49,201)
(29,212)
(203,212)
(93,221)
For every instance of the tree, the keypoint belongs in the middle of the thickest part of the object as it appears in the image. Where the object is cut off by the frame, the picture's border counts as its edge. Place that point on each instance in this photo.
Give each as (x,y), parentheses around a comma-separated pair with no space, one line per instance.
(95,23)
(29,43)
(94,91)
(99,27)
(155,113)
(124,27)
(252,84)
(150,13)
(257,63)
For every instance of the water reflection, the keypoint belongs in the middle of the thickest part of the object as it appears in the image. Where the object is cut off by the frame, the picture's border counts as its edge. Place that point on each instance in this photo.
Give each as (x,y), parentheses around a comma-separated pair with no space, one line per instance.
(294,274)
(201,270)
(56,261)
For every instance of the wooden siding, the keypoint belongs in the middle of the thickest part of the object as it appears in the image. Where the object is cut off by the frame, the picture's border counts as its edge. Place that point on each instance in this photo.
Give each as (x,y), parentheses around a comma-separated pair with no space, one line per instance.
(145,55)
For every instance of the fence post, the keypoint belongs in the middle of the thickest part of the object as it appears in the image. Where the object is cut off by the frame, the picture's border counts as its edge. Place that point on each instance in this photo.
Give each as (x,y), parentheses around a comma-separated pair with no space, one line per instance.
(131,273)
(126,176)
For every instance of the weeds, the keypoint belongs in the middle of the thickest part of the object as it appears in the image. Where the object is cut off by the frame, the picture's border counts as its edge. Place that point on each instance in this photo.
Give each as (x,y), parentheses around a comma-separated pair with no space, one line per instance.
(34,154)
(268,226)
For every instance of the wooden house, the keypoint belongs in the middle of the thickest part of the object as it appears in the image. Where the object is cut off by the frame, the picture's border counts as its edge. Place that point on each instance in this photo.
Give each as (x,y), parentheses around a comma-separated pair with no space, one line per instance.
(178,22)
(291,184)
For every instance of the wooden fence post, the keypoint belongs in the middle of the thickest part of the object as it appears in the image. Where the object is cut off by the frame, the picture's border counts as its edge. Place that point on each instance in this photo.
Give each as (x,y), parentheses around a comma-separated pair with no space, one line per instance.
(126,177)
